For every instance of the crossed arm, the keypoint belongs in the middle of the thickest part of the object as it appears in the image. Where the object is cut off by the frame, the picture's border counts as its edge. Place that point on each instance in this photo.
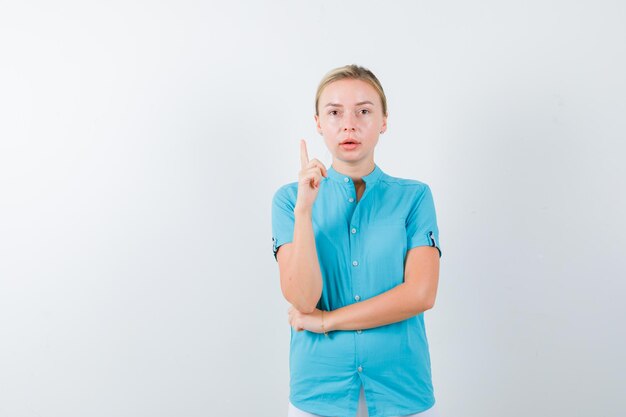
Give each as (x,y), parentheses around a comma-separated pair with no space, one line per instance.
(416,294)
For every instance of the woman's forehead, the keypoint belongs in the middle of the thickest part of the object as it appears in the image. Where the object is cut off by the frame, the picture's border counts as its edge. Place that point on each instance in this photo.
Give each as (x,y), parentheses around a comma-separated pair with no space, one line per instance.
(349,92)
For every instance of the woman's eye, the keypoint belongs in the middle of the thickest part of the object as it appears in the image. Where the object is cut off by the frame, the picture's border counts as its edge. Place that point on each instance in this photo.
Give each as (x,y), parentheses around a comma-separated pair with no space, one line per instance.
(364,111)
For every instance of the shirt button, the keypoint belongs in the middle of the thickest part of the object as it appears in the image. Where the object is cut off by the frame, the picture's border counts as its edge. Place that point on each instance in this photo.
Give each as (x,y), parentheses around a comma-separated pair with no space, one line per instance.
(357,297)
(360,369)
(351,200)
(353,230)
(354,263)
(359,331)
(346,179)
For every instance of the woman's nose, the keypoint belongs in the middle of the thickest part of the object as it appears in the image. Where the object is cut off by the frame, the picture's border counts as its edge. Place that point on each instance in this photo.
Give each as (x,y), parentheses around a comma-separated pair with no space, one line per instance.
(349,123)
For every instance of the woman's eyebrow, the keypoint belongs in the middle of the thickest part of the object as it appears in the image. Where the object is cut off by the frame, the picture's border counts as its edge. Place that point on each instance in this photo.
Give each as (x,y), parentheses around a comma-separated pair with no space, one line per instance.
(360,103)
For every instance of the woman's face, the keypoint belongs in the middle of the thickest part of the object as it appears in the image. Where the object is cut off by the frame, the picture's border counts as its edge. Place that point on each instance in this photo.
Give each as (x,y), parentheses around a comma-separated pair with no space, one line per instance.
(350,111)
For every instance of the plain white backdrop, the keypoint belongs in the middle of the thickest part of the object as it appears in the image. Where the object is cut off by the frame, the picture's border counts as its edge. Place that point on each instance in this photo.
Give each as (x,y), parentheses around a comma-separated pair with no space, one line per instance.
(141,144)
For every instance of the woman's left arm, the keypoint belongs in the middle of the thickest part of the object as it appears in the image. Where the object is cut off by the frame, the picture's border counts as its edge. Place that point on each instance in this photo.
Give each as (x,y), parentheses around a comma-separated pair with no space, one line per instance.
(416,294)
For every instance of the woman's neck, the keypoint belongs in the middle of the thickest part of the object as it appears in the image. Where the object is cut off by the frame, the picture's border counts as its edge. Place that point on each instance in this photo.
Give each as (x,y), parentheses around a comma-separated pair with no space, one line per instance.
(354,171)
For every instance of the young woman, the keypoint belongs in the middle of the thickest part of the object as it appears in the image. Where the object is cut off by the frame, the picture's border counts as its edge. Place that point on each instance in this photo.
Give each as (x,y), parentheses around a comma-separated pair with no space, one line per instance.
(359,263)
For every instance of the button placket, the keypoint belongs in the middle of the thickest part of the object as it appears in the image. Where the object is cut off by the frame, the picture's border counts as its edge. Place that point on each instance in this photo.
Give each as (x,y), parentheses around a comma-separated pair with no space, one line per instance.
(350,189)
(354,249)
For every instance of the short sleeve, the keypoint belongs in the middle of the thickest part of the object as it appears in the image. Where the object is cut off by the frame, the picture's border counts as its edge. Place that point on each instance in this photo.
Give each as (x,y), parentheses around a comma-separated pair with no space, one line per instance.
(421,225)
(283,219)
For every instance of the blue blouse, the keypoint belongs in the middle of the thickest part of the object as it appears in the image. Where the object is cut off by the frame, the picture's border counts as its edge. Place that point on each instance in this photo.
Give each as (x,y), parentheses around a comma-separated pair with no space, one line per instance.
(361,247)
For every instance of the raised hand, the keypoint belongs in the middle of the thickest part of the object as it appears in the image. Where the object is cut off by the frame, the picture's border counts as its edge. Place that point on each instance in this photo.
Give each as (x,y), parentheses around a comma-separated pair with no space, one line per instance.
(309,178)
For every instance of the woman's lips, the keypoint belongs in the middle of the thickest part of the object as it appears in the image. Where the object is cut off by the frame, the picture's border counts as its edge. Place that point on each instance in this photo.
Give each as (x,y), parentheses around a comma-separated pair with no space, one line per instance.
(349,146)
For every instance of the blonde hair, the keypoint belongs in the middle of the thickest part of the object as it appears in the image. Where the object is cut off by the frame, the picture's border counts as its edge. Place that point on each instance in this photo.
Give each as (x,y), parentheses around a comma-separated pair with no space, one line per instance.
(353,72)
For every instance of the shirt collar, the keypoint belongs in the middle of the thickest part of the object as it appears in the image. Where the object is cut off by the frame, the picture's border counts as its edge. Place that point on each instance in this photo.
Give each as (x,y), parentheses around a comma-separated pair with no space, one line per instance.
(369,179)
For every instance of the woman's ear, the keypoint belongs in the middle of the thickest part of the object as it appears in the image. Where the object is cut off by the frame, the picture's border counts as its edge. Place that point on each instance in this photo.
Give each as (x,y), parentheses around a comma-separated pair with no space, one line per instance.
(317,124)
(383,128)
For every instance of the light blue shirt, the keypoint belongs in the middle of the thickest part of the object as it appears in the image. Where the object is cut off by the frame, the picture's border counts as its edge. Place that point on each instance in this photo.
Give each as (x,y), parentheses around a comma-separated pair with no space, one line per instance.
(361,247)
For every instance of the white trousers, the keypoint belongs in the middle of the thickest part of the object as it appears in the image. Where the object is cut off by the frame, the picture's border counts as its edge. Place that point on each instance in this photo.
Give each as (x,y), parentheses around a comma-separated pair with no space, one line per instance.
(361,410)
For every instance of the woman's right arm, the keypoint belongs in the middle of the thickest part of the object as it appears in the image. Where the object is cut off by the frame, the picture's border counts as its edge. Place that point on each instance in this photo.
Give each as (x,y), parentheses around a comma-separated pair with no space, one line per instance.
(300,274)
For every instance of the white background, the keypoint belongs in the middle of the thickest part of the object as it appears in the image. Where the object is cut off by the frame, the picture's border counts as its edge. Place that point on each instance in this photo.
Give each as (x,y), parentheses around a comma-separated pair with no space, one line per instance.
(141,144)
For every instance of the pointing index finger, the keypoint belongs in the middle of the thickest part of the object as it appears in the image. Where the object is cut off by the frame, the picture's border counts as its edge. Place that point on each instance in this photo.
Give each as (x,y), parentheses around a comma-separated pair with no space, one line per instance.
(304,156)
